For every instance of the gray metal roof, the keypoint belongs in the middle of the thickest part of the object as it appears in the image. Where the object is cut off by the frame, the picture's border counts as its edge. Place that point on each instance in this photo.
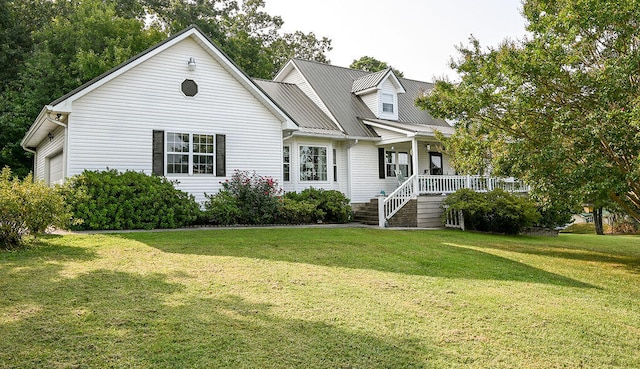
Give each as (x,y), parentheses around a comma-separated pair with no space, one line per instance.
(334,84)
(369,81)
(299,107)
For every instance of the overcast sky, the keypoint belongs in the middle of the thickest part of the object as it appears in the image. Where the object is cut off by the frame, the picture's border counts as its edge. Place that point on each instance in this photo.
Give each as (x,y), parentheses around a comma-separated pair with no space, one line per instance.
(417,37)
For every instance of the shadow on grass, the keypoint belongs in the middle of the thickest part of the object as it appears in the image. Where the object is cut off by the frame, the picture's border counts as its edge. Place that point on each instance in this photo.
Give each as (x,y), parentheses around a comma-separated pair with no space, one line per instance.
(398,252)
(114,319)
(627,257)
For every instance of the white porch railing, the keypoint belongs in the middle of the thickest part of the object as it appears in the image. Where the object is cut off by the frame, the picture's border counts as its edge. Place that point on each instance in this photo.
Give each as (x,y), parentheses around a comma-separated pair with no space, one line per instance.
(437,185)
(388,206)
(454,219)
(433,185)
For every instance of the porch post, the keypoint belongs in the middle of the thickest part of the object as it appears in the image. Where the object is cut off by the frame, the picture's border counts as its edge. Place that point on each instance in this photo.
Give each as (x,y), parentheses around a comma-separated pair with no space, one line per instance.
(382,218)
(414,162)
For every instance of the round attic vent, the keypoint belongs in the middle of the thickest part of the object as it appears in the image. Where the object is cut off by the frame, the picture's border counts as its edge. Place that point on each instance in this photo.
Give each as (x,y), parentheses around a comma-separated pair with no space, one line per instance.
(189,87)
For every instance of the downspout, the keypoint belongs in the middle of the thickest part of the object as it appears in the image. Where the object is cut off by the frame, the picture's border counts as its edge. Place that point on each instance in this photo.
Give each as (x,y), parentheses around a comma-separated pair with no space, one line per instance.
(349,171)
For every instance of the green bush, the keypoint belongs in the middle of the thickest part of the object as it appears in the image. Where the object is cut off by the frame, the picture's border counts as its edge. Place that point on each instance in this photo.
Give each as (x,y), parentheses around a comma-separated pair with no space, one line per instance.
(127,200)
(27,207)
(554,215)
(496,211)
(333,204)
(299,212)
(244,199)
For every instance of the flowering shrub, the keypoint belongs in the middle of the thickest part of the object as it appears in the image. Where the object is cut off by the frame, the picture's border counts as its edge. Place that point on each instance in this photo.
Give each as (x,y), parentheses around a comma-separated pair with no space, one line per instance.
(27,207)
(247,198)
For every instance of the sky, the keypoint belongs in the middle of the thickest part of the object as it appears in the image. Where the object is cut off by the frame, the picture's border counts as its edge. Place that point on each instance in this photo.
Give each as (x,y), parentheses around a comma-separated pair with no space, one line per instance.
(417,37)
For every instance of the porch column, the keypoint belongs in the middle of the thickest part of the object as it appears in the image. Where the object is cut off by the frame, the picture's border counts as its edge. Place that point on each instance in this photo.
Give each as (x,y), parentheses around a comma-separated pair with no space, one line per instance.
(414,162)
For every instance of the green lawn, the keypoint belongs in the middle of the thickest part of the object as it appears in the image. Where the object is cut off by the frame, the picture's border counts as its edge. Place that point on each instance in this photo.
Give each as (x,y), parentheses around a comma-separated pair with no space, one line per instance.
(321,298)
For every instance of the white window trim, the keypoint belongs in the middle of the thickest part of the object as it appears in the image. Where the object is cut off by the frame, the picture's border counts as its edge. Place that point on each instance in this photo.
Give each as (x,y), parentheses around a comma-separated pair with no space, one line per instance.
(383,114)
(289,163)
(190,154)
(299,152)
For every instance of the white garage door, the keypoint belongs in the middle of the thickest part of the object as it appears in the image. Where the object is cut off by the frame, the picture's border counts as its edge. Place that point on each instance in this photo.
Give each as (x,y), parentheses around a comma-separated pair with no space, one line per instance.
(55,169)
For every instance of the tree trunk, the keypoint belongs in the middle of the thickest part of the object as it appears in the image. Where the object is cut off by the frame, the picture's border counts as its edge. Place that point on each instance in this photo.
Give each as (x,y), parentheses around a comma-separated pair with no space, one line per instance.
(597,219)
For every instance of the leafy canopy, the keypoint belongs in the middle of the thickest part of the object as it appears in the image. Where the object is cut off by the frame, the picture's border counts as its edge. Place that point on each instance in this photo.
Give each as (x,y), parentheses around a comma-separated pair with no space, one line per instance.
(370,64)
(560,108)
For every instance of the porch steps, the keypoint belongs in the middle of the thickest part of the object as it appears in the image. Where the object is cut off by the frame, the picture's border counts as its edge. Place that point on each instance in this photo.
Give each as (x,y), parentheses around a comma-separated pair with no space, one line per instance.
(424,212)
(367,213)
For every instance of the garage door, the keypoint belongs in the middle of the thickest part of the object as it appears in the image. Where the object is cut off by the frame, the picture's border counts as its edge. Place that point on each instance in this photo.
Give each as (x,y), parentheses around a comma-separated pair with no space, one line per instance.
(55,169)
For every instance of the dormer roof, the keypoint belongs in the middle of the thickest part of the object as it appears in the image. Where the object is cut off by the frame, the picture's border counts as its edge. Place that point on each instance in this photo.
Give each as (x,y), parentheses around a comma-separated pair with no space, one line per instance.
(373,81)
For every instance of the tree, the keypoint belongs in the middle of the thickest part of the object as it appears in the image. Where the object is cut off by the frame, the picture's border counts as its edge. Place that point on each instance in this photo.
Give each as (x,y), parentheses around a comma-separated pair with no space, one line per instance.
(80,42)
(560,108)
(370,64)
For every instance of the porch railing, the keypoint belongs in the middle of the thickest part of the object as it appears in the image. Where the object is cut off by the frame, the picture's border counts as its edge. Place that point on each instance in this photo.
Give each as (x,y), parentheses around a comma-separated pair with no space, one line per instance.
(430,185)
(388,206)
(437,185)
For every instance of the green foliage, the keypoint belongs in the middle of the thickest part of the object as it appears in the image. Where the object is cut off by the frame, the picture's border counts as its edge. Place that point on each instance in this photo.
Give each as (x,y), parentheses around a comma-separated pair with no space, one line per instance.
(127,200)
(555,215)
(246,198)
(298,212)
(495,211)
(27,207)
(333,204)
(559,109)
(370,64)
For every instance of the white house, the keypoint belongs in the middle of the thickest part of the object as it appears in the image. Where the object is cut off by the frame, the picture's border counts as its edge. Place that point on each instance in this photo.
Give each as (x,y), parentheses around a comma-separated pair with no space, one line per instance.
(184,110)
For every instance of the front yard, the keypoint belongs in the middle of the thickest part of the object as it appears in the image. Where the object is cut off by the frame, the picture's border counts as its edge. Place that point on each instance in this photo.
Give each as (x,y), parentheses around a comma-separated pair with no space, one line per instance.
(321,298)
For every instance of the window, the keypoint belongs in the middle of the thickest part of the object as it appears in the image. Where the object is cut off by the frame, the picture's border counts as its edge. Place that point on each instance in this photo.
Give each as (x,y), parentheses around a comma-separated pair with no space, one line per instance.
(335,166)
(397,160)
(313,163)
(202,154)
(387,103)
(189,87)
(177,153)
(286,163)
(189,151)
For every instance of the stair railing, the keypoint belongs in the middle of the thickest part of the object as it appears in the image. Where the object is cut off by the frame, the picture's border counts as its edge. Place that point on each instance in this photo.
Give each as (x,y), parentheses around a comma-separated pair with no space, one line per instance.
(390,205)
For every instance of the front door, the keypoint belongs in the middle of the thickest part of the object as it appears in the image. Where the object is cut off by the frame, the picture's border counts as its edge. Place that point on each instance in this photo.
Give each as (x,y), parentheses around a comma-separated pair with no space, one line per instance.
(436,163)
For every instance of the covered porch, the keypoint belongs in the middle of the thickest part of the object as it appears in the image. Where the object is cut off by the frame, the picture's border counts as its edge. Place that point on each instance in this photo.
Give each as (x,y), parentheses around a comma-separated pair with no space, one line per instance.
(415,163)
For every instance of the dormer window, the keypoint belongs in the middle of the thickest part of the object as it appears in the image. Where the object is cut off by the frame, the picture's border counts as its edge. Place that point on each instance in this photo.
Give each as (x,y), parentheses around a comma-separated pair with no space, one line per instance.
(387,103)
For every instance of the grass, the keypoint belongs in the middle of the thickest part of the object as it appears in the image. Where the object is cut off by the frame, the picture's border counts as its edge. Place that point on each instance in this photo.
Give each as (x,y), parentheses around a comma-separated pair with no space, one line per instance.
(321,298)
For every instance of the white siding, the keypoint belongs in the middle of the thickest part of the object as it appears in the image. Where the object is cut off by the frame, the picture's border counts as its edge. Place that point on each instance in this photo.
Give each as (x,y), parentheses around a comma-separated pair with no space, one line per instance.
(111,127)
(364,174)
(371,100)
(45,151)
(425,164)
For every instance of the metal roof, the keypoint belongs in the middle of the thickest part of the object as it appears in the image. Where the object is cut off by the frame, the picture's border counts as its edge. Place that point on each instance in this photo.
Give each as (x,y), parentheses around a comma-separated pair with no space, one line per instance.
(334,85)
(299,107)
(369,81)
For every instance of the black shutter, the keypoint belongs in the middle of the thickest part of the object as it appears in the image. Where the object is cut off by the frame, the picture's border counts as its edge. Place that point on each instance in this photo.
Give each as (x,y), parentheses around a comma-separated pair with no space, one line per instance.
(381,163)
(158,153)
(221,160)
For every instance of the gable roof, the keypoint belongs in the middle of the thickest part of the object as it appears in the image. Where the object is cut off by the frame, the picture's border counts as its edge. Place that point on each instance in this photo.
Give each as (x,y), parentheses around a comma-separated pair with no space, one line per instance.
(372,81)
(307,115)
(334,86)
(64,103)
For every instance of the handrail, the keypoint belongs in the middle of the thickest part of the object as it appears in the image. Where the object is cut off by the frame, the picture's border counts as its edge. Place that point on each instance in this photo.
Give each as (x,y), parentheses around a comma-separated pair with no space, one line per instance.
(446,184)
(389,206)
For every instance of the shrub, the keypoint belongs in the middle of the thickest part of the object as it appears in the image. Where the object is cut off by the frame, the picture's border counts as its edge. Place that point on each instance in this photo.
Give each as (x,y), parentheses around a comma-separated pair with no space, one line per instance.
(128,200)
(496,211)
(299,212)
(244,199)
(554,215)
(332,203)
(27,207)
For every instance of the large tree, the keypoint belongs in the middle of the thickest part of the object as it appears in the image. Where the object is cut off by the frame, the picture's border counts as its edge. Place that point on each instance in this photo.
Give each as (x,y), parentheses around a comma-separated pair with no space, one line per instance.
(559,108)
(371,64)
